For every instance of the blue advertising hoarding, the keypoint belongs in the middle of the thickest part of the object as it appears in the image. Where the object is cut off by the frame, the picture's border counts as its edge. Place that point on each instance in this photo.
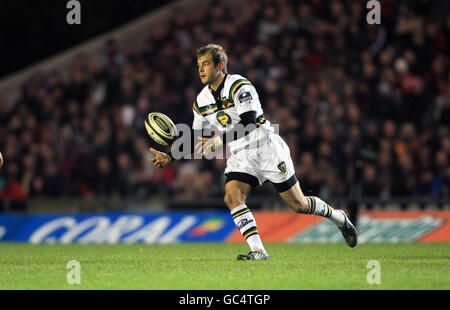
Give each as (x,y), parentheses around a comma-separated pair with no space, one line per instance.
(117,227)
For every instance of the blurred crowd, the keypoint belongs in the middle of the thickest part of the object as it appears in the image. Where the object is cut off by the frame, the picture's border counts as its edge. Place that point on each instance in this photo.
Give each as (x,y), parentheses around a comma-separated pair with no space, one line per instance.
(364,108)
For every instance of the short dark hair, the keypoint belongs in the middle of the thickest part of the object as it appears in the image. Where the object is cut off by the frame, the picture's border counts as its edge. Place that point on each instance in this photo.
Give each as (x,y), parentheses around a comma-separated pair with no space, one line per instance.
(218,54)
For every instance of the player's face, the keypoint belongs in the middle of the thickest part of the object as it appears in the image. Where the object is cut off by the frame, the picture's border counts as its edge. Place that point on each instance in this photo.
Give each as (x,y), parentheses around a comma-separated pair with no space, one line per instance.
(207,71)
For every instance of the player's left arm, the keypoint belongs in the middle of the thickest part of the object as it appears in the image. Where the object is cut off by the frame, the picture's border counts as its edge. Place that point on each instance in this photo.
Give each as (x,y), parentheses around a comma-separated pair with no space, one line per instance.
(246,101)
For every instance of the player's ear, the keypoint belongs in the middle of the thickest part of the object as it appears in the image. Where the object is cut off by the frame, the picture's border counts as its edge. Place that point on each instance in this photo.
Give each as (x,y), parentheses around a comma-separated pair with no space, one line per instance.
(221,66)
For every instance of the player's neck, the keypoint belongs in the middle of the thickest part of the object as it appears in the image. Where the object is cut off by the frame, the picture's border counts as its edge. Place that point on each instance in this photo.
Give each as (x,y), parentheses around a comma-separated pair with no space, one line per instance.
(215,85)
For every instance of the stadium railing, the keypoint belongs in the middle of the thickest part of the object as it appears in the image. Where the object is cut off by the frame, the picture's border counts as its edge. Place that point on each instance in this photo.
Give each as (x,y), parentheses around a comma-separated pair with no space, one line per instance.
(80,205)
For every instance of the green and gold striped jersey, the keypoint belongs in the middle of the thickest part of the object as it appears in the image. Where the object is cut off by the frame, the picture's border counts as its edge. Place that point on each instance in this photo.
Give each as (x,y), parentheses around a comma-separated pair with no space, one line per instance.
(221,108)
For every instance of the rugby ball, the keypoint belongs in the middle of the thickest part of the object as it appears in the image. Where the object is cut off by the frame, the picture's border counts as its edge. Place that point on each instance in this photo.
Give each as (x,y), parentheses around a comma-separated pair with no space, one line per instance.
(160,128)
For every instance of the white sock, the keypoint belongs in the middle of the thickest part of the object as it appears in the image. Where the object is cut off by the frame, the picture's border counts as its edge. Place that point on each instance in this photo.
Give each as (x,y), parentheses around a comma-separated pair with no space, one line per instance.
(319,207)
(246,224)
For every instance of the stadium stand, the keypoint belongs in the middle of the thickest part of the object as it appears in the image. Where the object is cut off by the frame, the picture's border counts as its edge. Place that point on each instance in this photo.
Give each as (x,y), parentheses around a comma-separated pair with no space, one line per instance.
(364,109)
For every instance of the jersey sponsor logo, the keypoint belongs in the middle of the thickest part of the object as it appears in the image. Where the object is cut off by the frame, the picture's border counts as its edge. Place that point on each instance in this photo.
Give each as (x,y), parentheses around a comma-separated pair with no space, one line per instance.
(223,118)
(226,103)
(282,167)
(210,108)
(245,98)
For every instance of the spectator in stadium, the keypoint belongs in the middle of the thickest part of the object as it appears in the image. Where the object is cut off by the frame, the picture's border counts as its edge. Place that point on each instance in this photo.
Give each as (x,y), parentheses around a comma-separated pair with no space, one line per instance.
(333,81)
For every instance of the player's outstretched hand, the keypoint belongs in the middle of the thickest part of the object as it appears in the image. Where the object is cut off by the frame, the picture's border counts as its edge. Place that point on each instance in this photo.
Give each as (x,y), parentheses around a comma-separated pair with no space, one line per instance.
(161,159)
(200,144)
(209,147)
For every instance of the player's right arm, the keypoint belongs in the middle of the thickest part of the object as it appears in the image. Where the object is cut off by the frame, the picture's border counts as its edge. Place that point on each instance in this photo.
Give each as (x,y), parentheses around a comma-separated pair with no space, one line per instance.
(161,159)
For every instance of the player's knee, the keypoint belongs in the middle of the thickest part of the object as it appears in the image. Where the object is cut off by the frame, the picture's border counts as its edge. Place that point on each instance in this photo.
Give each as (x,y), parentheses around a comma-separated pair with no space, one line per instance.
(232,201)
(227,199)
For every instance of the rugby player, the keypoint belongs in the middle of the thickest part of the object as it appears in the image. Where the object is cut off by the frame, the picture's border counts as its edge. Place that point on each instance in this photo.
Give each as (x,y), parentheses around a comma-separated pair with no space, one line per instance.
(230,103)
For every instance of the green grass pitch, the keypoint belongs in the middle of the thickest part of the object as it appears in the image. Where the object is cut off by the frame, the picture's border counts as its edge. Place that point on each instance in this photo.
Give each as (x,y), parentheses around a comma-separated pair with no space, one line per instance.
(214,266)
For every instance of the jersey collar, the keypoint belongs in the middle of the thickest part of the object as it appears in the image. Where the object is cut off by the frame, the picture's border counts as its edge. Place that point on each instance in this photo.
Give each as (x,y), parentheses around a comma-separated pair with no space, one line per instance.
(216,94)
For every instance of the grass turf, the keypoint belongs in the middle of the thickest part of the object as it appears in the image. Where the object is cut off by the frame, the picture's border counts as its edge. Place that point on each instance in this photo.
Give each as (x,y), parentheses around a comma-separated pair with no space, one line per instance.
(214,266)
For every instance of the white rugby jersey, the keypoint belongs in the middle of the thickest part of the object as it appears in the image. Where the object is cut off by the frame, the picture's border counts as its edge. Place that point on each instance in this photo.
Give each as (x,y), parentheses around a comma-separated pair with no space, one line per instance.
(236,95)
